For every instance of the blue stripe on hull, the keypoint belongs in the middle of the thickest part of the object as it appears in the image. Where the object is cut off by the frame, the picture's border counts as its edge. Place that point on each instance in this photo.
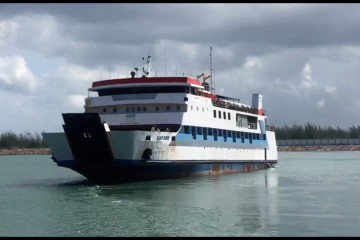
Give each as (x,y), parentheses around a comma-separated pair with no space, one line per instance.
(128,171)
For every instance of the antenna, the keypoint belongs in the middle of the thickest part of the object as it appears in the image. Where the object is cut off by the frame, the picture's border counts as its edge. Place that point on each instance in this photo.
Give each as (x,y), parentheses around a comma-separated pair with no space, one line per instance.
(109,68)
(146,68)
(165,60)
(212,74)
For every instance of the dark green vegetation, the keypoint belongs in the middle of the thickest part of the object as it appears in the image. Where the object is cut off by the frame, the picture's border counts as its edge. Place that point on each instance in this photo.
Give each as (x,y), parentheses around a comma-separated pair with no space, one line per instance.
(10,139)
(313,131)
(23,140)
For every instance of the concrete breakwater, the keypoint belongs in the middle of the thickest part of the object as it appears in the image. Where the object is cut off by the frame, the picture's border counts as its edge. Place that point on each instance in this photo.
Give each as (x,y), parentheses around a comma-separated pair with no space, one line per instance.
(313,148)
(297,145)
(25,151)
(319,148)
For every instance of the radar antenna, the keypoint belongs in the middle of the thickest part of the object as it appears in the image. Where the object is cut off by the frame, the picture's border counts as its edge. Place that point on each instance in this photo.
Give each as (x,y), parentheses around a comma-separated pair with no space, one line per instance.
(146,68)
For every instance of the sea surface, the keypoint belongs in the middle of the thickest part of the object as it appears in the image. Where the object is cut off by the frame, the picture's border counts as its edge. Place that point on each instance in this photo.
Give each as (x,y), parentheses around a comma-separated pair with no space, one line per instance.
(307,194)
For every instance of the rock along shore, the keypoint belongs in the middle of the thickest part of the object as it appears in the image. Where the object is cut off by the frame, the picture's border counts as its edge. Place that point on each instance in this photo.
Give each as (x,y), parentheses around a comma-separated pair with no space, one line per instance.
(25,151)
(319,148)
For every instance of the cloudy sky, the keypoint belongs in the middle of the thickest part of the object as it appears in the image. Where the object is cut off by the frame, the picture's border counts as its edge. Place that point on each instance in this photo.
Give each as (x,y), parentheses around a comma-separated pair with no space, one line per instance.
(303,58)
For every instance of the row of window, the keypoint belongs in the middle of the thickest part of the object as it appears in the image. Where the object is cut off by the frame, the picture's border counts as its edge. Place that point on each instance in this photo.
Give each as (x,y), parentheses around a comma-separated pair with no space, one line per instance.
(215,132)
(131,109)
(224,115)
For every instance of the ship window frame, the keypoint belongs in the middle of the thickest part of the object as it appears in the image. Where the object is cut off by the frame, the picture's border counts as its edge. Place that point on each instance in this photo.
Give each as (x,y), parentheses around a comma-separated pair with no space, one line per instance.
(214,113)
(220,133)
(204,130)
(210,131)
(168,108)
(142,90)
(199,130)
(224,115)
(157,108)
(114,109)
(144,108)
(186,129)
(193,132)
(219,114)
(215,134)
(229,118)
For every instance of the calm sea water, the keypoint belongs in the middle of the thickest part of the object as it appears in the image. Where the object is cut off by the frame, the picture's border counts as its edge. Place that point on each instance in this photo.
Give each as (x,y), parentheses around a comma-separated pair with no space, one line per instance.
(308,194)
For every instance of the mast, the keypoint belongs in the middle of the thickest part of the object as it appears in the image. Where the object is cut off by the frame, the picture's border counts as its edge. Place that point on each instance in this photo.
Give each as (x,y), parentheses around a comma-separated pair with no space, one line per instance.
(146,68)
(212,74)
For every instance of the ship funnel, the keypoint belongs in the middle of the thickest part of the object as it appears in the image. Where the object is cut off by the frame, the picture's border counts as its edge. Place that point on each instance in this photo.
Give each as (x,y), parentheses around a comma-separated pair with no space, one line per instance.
(257,102)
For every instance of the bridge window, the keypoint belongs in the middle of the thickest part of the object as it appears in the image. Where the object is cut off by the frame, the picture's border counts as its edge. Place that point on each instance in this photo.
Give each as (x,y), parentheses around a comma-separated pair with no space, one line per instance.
(114,110)
(127,109)
(210,131)
(193,131)
(225,135)
(157,108)
(177,107)
(205,133)
(104,110)
(144,109)
(187,129)
(199,130)
(167,108)
(139,109)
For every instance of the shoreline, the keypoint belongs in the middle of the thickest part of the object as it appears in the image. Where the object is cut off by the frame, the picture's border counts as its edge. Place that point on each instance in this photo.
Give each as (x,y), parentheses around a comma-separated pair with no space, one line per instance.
(318,148)
(25,151)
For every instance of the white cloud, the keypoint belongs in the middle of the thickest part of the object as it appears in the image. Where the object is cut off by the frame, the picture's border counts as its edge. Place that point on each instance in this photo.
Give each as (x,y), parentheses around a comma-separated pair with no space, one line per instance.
(330,89)
(321,103)
(252,62)
(75,103)
(16,76)
(308,82)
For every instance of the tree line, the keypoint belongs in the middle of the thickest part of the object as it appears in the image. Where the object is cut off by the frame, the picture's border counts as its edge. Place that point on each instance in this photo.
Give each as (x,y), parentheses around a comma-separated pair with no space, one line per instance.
(10,139)
(313,131)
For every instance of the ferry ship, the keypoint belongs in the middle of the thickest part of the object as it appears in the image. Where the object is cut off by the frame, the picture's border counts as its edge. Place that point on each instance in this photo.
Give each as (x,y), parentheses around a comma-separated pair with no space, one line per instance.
(147,128)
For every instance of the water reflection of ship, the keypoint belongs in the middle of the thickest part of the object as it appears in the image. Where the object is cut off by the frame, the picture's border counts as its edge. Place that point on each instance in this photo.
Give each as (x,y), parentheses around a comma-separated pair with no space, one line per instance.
(271,178)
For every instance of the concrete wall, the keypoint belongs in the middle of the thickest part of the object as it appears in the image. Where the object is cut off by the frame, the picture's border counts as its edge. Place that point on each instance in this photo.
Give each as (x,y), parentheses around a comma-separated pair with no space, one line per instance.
(313,142)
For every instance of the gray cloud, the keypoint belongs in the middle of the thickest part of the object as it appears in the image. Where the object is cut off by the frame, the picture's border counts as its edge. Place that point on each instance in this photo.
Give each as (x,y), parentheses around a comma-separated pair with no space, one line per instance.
(304,58)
